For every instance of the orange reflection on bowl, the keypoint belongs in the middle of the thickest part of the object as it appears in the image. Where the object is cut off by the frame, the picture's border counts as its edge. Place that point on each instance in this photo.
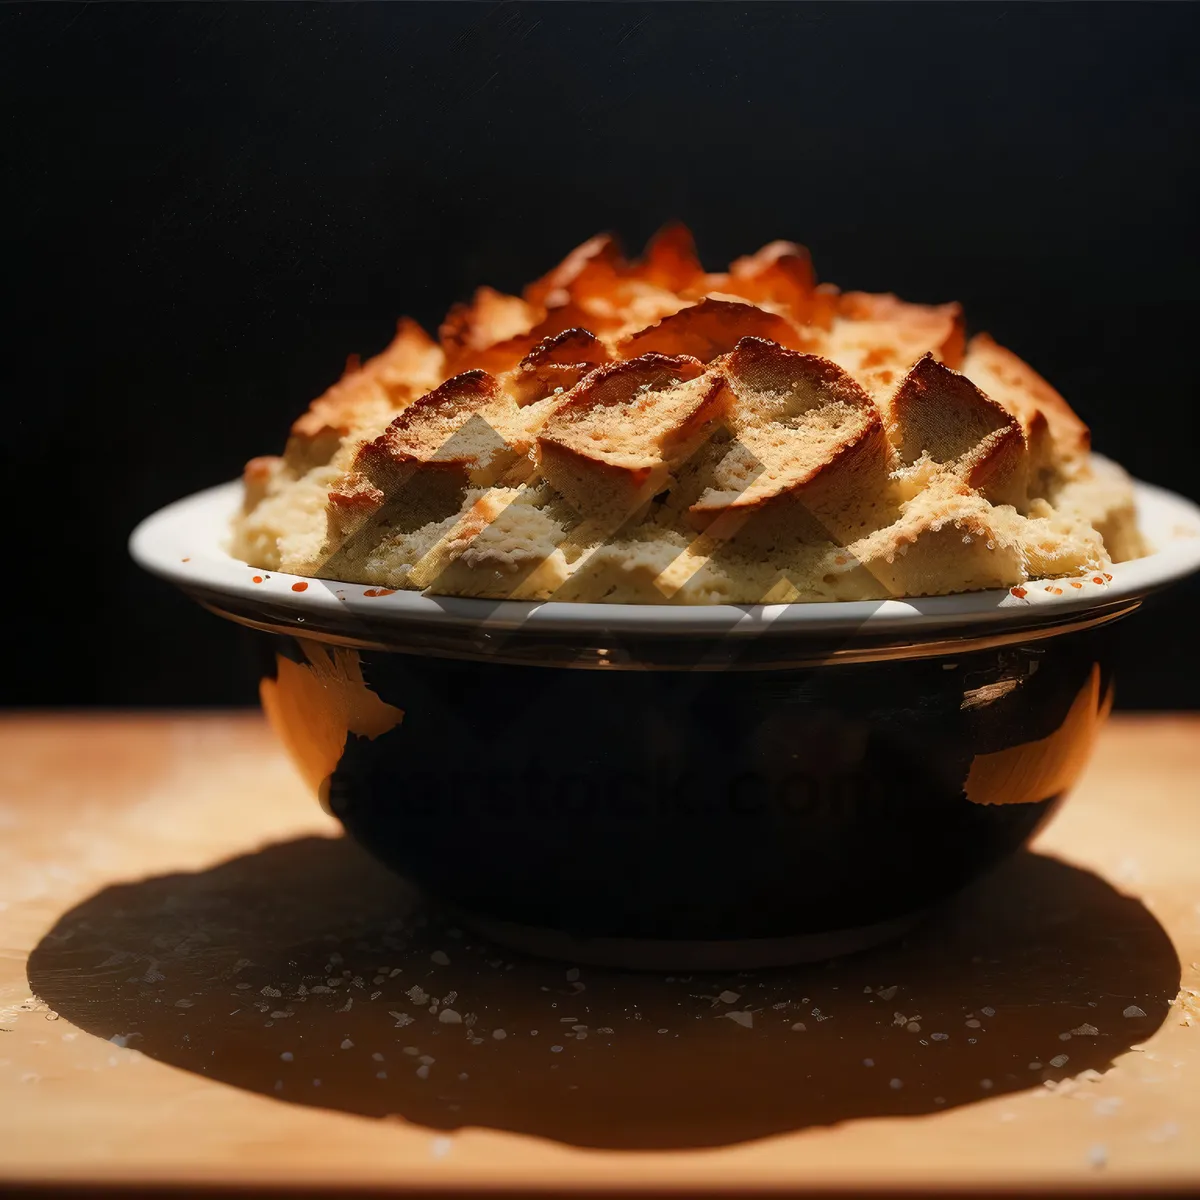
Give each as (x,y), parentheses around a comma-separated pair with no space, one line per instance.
(313,707)
(1049,766)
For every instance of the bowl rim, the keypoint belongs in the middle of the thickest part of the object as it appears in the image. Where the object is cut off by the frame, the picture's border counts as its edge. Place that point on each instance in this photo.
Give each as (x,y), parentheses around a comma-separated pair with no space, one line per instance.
(185,544)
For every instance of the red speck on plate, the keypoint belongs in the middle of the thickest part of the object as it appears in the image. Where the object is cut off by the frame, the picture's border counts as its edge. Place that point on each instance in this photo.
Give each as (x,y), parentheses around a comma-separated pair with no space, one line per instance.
(380,592)
(256,579)
(300,587)
(1019,592)
(185,560)
(1108,576)
(1074,584)
(1097,579)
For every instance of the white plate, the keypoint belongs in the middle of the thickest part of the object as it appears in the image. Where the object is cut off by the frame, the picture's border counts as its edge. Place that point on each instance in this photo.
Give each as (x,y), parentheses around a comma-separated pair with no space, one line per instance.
(185,543)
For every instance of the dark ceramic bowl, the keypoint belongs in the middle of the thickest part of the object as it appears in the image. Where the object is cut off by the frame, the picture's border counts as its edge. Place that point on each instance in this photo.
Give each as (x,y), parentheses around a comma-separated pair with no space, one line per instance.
(681,787)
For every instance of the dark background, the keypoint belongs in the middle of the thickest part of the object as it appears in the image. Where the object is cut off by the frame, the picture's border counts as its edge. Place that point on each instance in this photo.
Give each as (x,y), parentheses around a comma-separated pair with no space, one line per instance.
(207,206)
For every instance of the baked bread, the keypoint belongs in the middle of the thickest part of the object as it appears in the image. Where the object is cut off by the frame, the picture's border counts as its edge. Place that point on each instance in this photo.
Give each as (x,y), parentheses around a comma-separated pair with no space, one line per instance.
(648,432)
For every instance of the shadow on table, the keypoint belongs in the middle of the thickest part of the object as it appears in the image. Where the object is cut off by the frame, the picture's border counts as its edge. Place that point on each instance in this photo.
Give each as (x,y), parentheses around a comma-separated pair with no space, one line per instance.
(300,971)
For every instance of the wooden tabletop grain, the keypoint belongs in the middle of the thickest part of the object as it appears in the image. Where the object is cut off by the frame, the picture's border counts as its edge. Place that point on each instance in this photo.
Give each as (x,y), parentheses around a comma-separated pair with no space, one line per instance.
(202,984)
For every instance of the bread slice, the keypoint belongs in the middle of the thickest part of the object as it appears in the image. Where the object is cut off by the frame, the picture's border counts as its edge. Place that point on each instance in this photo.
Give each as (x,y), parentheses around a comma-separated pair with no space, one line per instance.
(489,333)
(809,446)
(779,276)
(1024,393)
(671,263)
(467,426)
(599,257)
(555,365)
(646,431)
(611,443)
(595,288)
(711,328)
(877,338)
(941,417)
(366,395)
(464,434)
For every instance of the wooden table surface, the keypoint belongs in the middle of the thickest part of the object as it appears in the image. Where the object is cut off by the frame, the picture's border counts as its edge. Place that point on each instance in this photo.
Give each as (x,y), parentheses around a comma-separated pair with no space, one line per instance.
(200,982)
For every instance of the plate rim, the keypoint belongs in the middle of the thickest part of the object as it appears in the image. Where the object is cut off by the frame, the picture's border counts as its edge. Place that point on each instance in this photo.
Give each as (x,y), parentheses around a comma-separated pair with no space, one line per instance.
(183,543)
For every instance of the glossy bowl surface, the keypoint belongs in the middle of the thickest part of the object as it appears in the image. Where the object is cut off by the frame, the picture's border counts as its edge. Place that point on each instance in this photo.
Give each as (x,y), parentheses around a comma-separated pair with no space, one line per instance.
(681,788)
(690,818)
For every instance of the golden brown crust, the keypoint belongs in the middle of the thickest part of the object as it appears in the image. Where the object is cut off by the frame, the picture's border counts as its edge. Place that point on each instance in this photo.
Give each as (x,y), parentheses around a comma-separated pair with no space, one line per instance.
(647,398)
(781,273)
(647,431)
(487,332)
(600,254)
(465,426)
(895,333)
(1016,385)
(710,328)
(941,415)
(366,393)
(800,416)
(619,383)
(556,364)
(671,262)
(351,504)
(786,383)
